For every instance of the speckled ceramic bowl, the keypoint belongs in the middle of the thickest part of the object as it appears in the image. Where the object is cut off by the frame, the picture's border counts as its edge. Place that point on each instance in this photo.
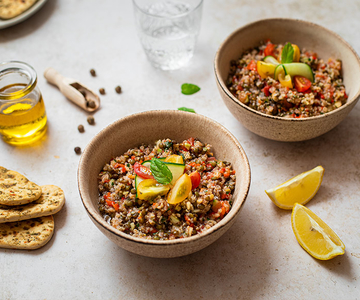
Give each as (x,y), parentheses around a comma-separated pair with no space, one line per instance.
(147,127)
(306,35)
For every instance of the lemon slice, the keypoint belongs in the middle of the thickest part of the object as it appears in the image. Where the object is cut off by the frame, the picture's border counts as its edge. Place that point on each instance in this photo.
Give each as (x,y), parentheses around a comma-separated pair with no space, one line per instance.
(299,189)
(314,235)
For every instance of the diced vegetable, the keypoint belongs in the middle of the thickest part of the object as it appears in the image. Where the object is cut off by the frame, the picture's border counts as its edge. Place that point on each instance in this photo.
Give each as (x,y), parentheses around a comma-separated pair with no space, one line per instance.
(195,179)
(142,171)
(299,69)
(285,80)
(252,65)
(271,60)
(279,70)
(181,190)
(302,84)
(269,50)
(265,69)
(177,159)
(149,188)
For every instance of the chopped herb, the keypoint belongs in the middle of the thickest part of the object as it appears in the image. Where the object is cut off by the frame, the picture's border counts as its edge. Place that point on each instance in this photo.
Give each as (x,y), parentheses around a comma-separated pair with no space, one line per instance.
(287,54)
(189,89)
(187,109)
(160,171)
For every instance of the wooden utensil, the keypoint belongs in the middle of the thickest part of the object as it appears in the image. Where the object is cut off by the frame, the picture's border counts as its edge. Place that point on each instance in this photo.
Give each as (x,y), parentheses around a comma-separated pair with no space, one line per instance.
(73,90)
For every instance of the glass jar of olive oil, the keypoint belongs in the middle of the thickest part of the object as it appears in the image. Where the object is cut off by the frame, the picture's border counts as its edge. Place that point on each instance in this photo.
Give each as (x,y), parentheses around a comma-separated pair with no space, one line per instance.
(22,110)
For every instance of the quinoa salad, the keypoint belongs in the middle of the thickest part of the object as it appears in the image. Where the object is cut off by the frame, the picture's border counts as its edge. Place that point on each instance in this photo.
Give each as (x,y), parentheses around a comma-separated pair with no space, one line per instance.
(292,85)
(166,191)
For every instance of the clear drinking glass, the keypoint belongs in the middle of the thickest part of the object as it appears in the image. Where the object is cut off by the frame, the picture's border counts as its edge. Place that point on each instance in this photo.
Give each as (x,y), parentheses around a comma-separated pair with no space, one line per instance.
(22,110)
(168,30)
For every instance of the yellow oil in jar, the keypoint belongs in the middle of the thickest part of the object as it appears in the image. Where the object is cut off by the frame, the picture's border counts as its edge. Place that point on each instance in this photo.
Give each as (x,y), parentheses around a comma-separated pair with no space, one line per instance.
(24,121)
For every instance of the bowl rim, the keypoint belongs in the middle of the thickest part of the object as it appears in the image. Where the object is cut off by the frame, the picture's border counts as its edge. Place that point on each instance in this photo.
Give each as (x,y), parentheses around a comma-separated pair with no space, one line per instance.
(227,219)
(222,85)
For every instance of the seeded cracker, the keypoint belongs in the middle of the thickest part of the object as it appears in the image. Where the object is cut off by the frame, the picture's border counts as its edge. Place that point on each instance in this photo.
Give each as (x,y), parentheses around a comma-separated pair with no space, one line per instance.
(28,235)
(50,202)
(16,189)
(12,8)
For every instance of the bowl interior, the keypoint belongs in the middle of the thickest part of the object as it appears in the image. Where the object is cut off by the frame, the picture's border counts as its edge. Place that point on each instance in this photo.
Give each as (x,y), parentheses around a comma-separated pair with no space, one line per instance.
(146,128)
(304,34)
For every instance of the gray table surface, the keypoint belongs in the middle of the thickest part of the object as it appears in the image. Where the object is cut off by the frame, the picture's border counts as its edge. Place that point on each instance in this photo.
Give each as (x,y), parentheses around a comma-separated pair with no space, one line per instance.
(259,257)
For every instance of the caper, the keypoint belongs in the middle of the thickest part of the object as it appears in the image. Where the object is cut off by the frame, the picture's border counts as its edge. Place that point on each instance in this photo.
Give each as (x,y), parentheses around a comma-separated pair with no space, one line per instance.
(131,161)
(133,191)
(213,163)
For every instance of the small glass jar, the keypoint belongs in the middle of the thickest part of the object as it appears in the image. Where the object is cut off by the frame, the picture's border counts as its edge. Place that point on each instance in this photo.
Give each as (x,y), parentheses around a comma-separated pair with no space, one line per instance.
(22,111)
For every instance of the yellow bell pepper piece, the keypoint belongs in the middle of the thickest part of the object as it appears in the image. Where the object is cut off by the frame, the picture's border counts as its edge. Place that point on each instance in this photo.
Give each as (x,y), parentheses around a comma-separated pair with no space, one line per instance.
(296,56)
(285,80)
(265,69)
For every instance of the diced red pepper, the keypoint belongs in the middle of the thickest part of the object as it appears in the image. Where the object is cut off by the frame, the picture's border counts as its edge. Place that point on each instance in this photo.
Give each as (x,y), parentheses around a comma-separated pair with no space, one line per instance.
(116,206)
(120,166)
(269,50)
(266,90)
(252,66)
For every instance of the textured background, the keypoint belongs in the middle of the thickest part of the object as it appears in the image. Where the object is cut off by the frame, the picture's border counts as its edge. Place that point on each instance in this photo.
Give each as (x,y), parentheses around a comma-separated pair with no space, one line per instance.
(259,257)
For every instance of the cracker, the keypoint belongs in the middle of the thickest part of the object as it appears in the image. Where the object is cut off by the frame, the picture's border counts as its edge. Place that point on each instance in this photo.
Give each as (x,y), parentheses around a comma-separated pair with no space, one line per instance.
(28,235)
(16,189)
(12,8)
(50,202)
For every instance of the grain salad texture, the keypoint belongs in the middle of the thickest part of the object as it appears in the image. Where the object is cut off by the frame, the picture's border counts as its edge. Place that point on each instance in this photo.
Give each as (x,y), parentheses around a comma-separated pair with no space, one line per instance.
(156,219)
(268,96)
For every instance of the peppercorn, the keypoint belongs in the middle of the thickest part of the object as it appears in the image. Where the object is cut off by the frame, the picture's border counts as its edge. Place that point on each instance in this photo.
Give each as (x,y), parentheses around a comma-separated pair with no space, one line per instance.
(102,91)
(118,89)
(91,104)
(81,128)
(91,120)
(92,72)
(77,150)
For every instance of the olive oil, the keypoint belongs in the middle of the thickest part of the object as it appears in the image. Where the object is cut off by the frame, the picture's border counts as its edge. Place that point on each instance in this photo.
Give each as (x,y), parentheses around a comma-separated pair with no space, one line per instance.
(22,121)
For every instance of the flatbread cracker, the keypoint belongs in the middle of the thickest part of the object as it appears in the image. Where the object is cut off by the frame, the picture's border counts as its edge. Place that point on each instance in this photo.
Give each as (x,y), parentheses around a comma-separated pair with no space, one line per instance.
(12,8)
(16,189)
(50,202)
(28,235)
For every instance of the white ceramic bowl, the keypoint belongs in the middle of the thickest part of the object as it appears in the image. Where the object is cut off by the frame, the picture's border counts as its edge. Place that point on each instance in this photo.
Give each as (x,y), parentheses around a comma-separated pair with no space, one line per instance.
(147,127)
(306,35)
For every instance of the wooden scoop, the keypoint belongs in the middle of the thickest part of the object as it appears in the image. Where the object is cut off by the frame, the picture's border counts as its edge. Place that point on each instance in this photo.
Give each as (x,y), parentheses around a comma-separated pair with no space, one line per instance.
(73,90)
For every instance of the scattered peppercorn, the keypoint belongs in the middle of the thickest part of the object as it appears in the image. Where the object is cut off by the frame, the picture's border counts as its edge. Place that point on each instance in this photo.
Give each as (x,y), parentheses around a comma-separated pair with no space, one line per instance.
(92,72)
(77,150)
(118,89)
(91,104)
(81,128)
(102,91)
(91,120)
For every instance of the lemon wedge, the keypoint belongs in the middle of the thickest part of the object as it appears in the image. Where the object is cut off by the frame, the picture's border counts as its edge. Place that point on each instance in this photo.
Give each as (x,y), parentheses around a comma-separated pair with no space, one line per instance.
(314,235)
(299,189)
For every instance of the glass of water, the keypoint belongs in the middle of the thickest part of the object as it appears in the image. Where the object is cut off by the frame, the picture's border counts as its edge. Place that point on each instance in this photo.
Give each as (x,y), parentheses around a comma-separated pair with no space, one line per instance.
(168,30)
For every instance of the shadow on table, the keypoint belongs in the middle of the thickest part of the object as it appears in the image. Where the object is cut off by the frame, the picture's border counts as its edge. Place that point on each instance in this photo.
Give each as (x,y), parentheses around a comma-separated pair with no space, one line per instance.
(236,264)
(30,24)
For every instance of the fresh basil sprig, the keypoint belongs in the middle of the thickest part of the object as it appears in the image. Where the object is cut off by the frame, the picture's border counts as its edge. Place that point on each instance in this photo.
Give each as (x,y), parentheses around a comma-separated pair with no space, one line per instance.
(189,89)
(160,171)
(187,109)
(287,54)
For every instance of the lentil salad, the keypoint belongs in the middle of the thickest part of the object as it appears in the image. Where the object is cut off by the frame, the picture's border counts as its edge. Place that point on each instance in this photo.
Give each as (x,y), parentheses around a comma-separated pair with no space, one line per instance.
(209,200)
(270,96)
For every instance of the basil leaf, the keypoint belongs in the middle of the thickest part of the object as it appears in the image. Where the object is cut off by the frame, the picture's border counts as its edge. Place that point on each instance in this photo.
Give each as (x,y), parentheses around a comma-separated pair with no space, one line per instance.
(189,89)
(287,54)
(160,171)
(187,109)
